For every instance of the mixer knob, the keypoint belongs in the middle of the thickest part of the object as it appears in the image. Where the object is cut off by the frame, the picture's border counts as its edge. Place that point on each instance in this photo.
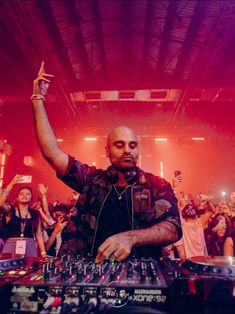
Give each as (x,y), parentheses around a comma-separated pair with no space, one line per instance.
(96,275)
(130,273)
(71,270)
(142,277)
(14,263)
(64,258)
(176,274)
(44,268)
(67,264)
(154,278)
(46,275)
(216,270)
(228,270)
(4,264)
(56,270)
(74,269)
(79,276)
(52,265)
(36,265)
(64,275)
(105,268)
(112,276)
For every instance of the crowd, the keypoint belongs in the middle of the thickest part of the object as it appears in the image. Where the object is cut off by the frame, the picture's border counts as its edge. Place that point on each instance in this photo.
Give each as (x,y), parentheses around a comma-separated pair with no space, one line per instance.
(50,228)
(34,227)
(208,225)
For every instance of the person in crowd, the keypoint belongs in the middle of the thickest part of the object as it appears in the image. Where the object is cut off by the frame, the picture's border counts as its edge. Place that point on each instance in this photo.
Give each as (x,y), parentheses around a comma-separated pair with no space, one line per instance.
(218,230)
(232,204)
(21,222)
(43,200)
(52,235)
(119,211)
(229,243)
(175,250)
(72,199)
(194,222)
(42,206)
(223,208)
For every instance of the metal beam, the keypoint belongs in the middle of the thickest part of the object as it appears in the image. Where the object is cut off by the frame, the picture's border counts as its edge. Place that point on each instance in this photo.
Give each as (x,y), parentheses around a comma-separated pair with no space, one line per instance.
(126,36)
(169,22)
(100,35)
(202,61)
(198,16)
(147,32)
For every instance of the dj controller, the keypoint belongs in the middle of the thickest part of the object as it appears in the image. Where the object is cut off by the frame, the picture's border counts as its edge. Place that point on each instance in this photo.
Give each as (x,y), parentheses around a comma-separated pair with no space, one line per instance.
(204,285)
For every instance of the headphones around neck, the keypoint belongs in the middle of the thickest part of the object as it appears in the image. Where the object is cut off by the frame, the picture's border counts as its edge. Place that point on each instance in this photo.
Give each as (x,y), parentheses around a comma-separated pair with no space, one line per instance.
(131,176)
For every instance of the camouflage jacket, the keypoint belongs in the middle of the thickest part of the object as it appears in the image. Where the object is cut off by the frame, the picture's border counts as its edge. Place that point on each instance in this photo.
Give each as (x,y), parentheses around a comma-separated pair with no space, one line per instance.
(153,201)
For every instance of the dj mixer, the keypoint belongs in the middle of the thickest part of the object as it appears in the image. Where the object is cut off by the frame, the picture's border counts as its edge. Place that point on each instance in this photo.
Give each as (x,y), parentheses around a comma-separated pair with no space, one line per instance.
(79,285)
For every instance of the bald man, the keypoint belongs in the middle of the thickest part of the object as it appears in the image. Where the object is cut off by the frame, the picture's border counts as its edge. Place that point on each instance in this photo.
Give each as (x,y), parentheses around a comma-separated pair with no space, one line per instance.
(122,210)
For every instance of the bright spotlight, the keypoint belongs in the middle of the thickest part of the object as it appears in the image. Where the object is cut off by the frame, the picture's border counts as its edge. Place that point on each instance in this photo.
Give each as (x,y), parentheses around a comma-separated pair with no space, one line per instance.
(160,139)
(90,139)
(198,138)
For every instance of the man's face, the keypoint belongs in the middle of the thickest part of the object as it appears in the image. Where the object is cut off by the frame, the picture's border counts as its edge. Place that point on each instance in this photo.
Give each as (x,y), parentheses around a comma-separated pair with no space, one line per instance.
(58,214)
(122,148)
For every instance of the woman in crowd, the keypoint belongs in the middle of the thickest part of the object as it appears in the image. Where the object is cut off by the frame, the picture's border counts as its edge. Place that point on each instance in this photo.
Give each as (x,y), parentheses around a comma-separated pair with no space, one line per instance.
(216,234)
(21,223)
(229,243)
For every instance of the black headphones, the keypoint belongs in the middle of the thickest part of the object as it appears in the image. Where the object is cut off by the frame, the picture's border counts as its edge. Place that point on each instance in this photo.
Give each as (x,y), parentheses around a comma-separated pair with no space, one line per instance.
(131,176)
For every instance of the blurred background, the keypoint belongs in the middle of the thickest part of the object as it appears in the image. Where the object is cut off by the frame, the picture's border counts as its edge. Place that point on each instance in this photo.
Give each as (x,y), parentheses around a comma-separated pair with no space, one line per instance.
(165,68)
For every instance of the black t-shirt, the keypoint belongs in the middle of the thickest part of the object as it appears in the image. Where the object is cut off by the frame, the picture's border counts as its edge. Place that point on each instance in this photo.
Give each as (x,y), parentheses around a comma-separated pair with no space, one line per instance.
(116,215)
(13,227)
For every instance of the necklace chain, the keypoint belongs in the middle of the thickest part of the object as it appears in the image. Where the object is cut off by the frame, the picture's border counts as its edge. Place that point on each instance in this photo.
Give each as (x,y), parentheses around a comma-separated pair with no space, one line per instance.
(23,222)
(119,195)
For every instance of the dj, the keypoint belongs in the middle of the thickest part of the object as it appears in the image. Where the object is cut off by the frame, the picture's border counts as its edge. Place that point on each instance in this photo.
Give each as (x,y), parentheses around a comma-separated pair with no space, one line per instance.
(121,210)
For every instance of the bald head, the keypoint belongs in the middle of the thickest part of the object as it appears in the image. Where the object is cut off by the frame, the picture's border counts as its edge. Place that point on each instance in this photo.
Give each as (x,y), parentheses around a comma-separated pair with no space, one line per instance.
(122,147)
(120,131)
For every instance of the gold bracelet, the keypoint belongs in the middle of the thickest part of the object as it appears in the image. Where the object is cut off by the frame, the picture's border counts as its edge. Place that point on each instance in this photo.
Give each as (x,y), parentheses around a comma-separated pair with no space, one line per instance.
(37,97)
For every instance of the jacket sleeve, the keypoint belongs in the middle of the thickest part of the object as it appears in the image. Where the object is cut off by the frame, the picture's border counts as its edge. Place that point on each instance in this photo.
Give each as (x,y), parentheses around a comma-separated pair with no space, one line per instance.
(76,174)
(165,205)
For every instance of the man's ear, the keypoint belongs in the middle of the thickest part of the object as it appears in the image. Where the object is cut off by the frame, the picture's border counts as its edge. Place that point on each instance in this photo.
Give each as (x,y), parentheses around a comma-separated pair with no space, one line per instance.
(107,151)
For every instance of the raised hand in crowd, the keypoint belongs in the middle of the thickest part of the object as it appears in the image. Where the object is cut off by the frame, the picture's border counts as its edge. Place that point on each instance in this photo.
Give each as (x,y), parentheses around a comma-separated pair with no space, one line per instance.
(49,222)
(43,190)
(5,192)
(54,241)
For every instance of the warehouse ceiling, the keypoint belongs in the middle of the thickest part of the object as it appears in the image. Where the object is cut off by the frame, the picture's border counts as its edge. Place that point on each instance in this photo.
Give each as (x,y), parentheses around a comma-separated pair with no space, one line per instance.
(166,67)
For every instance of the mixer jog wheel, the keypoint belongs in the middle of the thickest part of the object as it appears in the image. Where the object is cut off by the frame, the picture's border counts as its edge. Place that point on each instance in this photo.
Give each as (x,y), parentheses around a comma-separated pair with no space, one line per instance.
(211,265)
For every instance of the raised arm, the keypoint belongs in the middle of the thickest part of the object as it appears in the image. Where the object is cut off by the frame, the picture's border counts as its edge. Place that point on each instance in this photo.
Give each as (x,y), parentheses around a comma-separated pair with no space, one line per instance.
(5,192)
(43,190)
(45,135)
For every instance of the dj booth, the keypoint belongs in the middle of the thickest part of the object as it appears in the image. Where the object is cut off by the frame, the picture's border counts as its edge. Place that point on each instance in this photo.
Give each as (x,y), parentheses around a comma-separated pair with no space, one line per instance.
(200,285)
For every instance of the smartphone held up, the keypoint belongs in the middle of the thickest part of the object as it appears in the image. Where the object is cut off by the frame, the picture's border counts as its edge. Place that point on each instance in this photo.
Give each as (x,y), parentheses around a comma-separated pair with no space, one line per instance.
(24,179)
(178,175)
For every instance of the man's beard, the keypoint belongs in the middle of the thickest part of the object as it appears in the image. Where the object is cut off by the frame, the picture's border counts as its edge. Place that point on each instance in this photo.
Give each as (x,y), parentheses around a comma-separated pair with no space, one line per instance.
(125,170)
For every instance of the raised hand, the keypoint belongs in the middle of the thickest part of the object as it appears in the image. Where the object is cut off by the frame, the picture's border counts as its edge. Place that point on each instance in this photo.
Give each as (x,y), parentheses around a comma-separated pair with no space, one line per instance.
(42,189)
(60,225)
(41,83)
(17,179)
